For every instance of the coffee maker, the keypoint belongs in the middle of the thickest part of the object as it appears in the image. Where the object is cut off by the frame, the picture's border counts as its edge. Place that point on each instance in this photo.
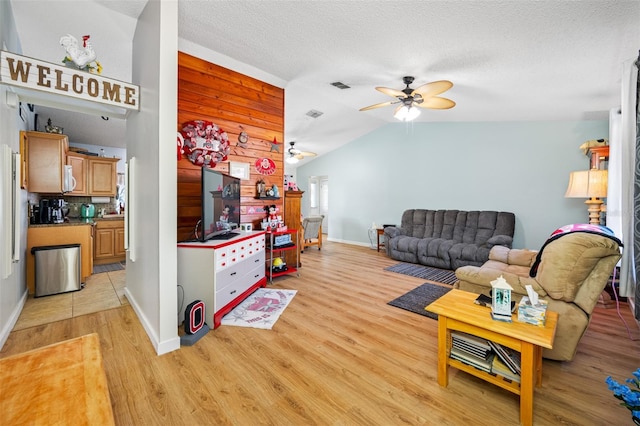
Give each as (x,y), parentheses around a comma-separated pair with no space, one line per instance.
(45,211)
(50,211)
(56,210)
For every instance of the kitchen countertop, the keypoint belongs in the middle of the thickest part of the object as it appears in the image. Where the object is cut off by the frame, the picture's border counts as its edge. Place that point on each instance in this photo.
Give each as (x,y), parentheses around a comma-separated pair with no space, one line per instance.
(70,222)
(76,221)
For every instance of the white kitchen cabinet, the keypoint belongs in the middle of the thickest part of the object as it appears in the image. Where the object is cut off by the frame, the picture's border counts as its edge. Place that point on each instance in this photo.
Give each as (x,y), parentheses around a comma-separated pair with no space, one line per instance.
(221,273)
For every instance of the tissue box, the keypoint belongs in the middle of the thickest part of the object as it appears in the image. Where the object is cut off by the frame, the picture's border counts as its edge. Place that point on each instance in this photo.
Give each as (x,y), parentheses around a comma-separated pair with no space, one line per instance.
(532,314)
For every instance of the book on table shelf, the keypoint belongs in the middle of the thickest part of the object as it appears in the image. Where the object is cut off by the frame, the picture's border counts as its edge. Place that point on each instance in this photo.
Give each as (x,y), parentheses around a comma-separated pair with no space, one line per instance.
(471,350)
(471,344)
(483,364)
(485,355)
(471,340)
(508,356)
(499,367)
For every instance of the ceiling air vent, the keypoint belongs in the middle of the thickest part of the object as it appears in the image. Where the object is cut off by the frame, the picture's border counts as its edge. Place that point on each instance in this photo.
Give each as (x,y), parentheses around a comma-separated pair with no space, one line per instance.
(314,114)
(340,85)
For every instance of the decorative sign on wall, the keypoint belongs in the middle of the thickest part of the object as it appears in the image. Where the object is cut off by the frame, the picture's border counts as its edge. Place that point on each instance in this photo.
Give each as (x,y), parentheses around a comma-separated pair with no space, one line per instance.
(205,144)
(28,73)
(265,166)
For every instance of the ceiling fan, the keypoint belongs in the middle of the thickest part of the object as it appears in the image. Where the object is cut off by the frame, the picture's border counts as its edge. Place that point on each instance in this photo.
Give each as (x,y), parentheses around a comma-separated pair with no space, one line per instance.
(296,155)
(424,96)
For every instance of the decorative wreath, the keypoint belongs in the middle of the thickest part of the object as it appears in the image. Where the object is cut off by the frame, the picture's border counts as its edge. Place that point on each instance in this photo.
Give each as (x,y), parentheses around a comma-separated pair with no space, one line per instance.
(205,144)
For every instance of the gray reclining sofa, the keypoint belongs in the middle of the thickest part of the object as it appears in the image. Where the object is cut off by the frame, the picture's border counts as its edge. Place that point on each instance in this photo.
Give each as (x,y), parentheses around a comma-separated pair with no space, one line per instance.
(448,239)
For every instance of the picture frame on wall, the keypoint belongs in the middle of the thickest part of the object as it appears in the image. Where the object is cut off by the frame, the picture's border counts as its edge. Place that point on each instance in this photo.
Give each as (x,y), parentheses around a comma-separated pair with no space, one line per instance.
(239,170)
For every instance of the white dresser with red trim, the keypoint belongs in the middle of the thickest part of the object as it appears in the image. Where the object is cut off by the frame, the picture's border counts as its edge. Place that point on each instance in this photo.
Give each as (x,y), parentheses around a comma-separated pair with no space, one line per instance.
(221,273)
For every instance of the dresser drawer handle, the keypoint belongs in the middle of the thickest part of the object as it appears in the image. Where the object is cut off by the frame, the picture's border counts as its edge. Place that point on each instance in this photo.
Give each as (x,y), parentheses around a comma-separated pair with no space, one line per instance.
(233,291)
(233,273)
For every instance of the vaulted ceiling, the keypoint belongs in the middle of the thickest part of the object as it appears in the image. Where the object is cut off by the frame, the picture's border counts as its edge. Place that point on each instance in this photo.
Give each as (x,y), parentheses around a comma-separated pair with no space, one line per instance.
(508,60)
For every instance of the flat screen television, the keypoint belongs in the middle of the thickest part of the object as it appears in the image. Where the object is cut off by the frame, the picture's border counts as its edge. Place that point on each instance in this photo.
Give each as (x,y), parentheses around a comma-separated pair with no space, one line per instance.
(220,198)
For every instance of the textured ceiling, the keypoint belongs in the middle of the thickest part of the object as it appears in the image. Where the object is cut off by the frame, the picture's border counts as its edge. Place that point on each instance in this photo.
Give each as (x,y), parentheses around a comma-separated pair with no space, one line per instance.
(508,60)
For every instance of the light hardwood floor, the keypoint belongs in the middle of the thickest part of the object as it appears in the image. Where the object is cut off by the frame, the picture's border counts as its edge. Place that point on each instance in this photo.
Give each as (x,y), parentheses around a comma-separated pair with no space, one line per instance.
(339,355)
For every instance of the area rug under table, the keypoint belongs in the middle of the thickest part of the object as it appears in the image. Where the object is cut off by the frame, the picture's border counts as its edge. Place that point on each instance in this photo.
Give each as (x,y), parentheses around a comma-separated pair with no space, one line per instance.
(260,310)
(425,272)
(418,298)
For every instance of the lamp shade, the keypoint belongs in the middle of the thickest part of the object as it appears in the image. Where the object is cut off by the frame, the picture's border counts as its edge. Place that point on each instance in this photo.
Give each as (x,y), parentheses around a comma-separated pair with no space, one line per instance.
(406,113)
(587,184)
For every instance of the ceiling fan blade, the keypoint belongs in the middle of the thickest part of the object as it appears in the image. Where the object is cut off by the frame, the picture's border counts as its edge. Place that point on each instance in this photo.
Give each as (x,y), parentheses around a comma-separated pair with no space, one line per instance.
(436,103)
(391,92)
(307,154)
(434,88)
(382,104)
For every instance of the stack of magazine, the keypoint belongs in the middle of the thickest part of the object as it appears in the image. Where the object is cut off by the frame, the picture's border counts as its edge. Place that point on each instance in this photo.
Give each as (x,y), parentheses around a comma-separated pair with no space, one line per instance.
(472,350)
(506,362)
(485,355)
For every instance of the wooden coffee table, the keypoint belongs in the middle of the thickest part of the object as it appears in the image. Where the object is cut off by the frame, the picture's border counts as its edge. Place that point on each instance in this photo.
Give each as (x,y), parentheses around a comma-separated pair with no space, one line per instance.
(456,311)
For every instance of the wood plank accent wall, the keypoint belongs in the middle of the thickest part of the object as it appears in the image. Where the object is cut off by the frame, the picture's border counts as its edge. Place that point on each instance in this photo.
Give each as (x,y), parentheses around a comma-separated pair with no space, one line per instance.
(234,102)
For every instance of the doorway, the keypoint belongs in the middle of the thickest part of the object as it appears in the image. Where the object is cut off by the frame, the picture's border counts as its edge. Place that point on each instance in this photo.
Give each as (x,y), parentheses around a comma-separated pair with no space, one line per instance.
(104,289)
(319,199)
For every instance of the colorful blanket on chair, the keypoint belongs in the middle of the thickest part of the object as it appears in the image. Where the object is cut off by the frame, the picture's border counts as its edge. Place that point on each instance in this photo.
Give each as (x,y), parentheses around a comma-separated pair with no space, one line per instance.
(568,229)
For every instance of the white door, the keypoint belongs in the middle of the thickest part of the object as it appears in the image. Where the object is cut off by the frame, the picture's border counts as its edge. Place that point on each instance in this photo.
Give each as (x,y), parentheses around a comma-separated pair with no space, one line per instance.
(319,199)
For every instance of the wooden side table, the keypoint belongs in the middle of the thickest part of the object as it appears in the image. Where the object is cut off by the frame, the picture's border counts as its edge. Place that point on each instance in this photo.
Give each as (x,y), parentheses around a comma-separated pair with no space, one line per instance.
(380,232)
(456,311)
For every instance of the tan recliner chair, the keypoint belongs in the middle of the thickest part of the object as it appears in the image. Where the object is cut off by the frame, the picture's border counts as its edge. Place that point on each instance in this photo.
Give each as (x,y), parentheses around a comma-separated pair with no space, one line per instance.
(311,232)
(572,273)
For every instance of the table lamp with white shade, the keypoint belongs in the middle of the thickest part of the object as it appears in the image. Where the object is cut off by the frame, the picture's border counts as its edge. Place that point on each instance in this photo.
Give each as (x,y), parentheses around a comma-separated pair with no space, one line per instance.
(590,184)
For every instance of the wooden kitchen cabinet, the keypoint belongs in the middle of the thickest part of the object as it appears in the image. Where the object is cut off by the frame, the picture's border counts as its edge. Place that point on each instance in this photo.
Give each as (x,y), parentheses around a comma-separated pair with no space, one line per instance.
(119,249)
(78,163)
(109,242)
(95,176)
(46,158)
(54,235)
(102,176)
(292,210)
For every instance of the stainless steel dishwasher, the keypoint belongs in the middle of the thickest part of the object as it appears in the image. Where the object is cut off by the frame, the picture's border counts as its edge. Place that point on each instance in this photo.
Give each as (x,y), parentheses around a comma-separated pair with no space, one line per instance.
(57,269)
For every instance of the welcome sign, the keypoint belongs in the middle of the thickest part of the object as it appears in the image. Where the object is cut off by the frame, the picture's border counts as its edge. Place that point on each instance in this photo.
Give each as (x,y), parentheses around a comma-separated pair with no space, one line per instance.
(21,71)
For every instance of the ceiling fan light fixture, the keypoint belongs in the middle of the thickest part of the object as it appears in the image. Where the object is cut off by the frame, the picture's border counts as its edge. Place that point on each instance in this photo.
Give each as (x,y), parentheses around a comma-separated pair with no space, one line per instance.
(291,159)
(407,113)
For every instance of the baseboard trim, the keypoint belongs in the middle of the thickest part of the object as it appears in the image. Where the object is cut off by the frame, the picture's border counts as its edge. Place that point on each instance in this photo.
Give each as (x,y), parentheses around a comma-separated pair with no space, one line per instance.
(13,319)
(353,243)
(160,347)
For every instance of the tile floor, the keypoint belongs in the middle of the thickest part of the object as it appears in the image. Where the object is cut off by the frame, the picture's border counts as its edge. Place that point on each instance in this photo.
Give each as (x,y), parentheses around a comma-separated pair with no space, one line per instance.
(101,291)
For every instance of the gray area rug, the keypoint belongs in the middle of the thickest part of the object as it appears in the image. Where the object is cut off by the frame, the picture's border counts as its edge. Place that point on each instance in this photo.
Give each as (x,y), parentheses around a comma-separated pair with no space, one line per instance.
(425,272)
(418,298)
(98,269)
